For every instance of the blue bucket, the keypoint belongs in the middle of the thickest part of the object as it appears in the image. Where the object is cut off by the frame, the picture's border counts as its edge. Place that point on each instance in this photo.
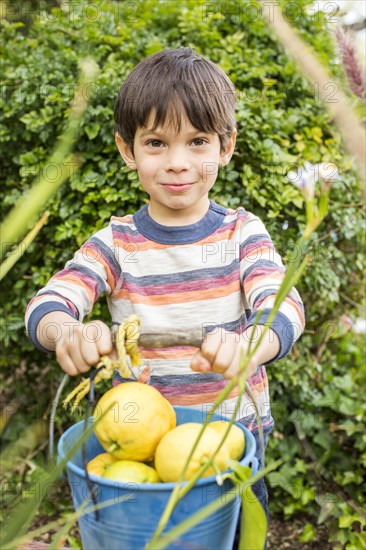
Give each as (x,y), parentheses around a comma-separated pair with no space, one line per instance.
(130,523)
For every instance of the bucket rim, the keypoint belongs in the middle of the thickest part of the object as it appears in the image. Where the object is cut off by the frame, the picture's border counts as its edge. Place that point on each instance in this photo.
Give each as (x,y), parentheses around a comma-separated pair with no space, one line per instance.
(159,486)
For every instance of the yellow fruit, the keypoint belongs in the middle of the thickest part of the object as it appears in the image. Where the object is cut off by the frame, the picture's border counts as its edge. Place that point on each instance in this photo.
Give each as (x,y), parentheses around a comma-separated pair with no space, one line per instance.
(176,445)
(138,416)
(235,440)
(131,470)
(173,416)
(98,464)
(150,463)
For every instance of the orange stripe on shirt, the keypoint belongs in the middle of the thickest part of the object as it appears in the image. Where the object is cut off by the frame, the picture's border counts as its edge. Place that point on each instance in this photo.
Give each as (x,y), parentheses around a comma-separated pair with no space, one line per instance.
(177,298)
(209,397)
(75,280)
(168,353)
(260,386)
(218,237)
(248,285)
(293,303)
(132,247)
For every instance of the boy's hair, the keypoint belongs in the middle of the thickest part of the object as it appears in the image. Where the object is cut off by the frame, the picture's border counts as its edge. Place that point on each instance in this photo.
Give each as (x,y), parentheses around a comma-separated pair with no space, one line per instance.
(170,83)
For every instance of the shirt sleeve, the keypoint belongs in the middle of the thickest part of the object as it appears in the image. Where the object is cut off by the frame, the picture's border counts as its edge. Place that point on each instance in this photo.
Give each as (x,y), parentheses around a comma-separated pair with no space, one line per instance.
(93,270)
(262,273)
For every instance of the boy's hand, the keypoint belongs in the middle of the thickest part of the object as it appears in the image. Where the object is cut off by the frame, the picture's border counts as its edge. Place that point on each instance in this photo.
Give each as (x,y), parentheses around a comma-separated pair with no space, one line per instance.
(221,352)
(78,346)
(84,349)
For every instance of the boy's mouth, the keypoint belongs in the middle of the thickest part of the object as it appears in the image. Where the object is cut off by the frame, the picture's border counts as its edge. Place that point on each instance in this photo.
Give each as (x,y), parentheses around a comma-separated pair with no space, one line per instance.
(177,187)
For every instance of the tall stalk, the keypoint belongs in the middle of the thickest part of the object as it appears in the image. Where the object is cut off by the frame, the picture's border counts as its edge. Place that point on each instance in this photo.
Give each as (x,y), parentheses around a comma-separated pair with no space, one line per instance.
(316,210)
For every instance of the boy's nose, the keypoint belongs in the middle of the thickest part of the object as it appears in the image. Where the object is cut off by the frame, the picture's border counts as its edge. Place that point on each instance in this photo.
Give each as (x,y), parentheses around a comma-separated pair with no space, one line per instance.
(177,160)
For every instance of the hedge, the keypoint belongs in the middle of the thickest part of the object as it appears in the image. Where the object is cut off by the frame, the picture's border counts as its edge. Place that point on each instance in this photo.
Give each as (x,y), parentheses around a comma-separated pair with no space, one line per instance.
(281,124)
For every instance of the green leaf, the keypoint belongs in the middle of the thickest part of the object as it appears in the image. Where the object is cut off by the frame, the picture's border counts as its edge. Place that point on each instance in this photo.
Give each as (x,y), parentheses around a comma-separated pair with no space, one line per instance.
(252,514)
(92,130)
(346,520)
(308,533)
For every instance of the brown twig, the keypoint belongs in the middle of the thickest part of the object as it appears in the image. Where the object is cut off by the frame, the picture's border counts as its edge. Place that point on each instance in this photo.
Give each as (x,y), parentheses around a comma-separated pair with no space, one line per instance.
(349,205)
(350,301)
(325,236)
(172,338)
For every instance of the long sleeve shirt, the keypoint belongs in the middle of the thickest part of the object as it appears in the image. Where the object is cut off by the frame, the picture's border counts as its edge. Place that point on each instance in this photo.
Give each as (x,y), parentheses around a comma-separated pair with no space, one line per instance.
(218,272)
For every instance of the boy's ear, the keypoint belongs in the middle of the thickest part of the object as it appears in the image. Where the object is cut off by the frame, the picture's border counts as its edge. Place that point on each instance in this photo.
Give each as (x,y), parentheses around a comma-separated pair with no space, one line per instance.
(125,152)
(226,155)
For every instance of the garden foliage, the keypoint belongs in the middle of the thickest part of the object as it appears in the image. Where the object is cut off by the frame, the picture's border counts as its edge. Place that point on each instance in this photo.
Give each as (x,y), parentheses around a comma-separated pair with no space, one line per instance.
(281,123)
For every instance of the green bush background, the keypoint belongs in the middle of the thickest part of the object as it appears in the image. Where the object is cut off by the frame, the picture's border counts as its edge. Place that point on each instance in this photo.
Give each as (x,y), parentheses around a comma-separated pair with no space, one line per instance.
(281,123)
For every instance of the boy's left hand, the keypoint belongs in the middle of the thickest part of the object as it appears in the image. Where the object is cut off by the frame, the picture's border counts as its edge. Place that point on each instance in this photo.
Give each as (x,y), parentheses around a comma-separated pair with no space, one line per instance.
(221,352)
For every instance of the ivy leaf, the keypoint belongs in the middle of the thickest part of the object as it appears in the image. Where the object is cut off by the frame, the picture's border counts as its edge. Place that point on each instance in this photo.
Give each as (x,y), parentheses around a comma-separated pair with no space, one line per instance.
(347,520)
(308,533)
(92,130)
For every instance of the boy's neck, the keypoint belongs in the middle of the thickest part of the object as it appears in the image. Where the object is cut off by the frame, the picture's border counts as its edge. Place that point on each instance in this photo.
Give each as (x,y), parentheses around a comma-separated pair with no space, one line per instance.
(179,217)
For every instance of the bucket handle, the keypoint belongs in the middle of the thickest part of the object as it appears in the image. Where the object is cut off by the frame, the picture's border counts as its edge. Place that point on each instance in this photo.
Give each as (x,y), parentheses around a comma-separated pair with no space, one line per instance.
(51,427)
(90,405)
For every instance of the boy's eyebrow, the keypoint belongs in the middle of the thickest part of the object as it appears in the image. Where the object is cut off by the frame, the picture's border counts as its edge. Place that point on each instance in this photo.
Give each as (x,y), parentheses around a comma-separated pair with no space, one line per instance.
(155,132)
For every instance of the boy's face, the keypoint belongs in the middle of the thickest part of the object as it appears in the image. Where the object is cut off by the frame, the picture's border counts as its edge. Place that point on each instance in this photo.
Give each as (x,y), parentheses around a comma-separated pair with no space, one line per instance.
(177,170)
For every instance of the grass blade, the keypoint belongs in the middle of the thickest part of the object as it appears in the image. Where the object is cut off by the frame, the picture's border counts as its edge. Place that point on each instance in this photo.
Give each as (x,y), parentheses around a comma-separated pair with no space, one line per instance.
(13,257)
(31,203)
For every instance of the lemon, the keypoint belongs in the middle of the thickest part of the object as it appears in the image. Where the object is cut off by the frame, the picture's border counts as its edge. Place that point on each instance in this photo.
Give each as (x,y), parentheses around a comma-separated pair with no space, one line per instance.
(235,440)
(131,470)
(136,418)
(173,417)
(176,445)
(98,464)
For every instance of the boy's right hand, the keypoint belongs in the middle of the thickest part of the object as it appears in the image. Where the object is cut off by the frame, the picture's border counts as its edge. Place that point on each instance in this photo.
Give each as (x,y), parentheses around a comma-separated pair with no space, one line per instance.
(78,346)
(89,342)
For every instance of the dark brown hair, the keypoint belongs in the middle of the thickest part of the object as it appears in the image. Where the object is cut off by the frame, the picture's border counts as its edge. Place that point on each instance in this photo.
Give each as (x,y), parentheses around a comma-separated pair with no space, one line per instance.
(172,82)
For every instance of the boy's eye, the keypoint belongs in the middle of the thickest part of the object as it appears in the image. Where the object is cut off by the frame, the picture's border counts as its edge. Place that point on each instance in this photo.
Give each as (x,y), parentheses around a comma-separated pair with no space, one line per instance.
(157,143)
(199,141)
(154,142)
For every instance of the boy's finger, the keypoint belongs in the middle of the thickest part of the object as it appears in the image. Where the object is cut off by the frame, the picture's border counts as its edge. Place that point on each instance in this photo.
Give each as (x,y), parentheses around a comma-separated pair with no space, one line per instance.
(64,361)
(78,360)
(98,333)
(234,365)
(200,364)
(224,358)
(89,353)
(67,365)
(211,345)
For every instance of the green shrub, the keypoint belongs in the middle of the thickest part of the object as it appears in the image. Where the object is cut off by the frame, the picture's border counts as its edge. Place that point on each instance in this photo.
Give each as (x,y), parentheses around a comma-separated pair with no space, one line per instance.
(329,412)
(281,123)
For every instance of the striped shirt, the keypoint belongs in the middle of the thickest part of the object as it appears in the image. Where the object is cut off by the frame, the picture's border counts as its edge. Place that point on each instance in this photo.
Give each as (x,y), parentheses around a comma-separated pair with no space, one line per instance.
(216,273)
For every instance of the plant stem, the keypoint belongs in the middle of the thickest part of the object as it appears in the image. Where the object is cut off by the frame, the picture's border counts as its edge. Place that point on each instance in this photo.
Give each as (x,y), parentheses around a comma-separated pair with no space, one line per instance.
(179,492)
(293,273)
(210,508)
(14,256)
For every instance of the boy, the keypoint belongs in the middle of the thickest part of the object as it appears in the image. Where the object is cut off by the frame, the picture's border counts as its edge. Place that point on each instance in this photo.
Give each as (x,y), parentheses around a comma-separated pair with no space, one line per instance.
(181,261)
